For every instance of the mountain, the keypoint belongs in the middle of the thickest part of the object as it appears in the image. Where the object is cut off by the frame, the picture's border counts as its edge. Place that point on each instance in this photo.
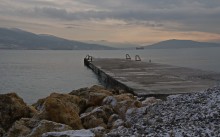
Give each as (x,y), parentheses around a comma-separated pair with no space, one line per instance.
(19,39)
(176,44)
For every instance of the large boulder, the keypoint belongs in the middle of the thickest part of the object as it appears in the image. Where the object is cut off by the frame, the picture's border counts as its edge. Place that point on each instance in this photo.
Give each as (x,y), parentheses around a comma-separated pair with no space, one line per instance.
(121,103)
(95,98)
(35,128)
(97,117)
(59,111)
(72,101)
(93,95)
(91,121)
(12,108)
(110,100)
(122,106)
(97,94)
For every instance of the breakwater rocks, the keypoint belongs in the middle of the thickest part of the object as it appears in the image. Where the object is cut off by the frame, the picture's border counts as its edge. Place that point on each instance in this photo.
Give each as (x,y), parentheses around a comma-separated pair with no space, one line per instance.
(97,112)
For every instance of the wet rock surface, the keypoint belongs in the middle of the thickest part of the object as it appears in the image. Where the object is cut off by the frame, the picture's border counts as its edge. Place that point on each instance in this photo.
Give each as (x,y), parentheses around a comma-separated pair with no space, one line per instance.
(98,112)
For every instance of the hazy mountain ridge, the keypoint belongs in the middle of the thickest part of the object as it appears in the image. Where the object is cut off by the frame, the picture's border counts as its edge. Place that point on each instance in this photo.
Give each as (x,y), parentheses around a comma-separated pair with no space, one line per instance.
(19,39)
(176,44)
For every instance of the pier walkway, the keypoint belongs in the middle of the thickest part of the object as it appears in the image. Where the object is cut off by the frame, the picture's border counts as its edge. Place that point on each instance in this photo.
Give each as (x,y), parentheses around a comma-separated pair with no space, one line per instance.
(146,78)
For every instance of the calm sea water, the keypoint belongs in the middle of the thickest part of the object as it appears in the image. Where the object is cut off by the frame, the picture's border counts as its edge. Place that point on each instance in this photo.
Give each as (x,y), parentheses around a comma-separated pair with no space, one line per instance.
(35,74)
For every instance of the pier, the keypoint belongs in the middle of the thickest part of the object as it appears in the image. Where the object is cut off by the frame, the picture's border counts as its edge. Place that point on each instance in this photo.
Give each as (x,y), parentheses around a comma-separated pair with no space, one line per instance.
(150,79)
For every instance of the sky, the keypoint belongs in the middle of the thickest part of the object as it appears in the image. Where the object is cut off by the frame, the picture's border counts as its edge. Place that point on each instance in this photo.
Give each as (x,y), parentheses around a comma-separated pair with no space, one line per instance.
(129,21)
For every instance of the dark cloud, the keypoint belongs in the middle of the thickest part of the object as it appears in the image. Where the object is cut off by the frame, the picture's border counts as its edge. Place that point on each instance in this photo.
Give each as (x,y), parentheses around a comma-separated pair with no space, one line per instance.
(192,15)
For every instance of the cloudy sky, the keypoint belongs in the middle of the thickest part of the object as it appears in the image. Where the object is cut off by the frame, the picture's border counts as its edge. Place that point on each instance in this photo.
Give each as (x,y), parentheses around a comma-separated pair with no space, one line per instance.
(134,21)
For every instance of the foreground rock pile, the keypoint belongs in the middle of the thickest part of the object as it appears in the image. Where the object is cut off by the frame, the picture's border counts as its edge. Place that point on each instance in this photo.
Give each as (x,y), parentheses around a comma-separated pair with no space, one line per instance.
(97,112)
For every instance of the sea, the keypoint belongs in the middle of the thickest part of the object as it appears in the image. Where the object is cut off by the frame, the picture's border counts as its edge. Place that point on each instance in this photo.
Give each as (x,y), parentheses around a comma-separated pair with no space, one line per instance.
(35,74)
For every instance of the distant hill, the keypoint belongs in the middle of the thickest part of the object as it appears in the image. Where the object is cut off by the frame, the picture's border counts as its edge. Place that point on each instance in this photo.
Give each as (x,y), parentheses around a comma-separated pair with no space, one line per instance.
(19,39)
(176,44)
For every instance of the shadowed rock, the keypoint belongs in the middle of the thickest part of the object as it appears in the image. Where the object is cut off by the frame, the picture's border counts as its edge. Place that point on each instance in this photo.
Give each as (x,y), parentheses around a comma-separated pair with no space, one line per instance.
(12,108)
(2,132)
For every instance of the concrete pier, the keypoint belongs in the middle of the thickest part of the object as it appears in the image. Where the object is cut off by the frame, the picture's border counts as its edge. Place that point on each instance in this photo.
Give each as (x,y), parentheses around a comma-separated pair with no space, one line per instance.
(151,79)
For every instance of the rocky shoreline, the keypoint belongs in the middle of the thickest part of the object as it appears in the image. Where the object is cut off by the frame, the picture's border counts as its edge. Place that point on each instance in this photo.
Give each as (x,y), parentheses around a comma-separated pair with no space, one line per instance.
(98,112)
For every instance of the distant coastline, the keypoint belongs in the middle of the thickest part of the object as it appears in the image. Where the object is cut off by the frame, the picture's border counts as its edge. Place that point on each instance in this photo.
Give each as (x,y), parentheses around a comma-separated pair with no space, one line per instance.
(16,39)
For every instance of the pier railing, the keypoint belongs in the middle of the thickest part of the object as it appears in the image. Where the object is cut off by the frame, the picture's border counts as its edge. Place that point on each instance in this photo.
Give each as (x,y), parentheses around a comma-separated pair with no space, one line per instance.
(137,58)
(128,57)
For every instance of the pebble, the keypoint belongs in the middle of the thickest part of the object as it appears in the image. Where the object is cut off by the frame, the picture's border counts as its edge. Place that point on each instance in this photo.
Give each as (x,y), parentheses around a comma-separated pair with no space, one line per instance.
(194,114)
